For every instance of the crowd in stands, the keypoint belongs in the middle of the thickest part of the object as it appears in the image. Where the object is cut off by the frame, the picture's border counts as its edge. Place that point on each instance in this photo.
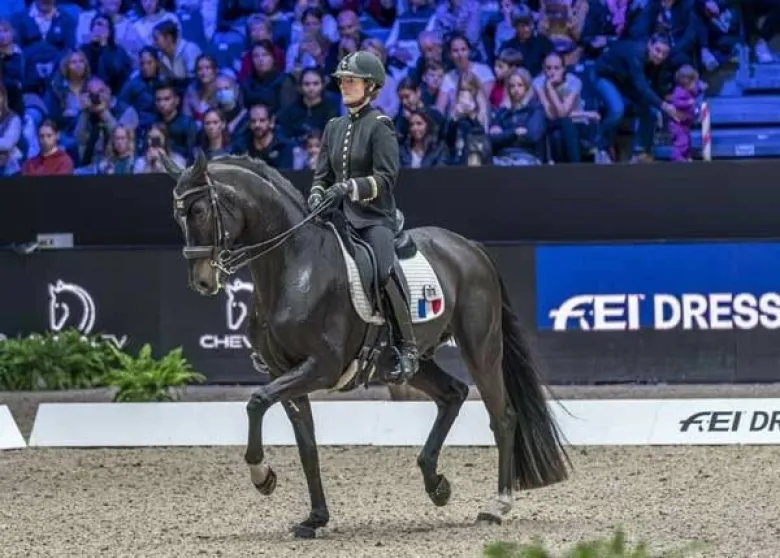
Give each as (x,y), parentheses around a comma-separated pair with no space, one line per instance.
(106,86)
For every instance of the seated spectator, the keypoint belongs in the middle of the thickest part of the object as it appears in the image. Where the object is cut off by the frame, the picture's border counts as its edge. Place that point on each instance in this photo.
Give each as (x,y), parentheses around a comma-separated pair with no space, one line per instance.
(431,53)
(182,130)
(231,104)
(350,37)
(677,19)
(157,142)
(562,22)
(387,100)
(468,118)
(10,128)
(719,32)
(152,14)
(459,17)
(214,137)
(517,131)
(531,46)
(607,21)
(411,101)
(119,157)
(44,22)
(63,101)
(507,62)
(100,113)
(422,147)
(621,75)
(177,55)
(259,29)
(765,30)
(51,160)
(263,141)
(684,99)
(9,166)
(139,91)
(559,92)
(308,16)
(11,60)
(309,53)
(280,23)
(406,29)
(432,79)
(266,84)
(125,33)
(306,158)
(311,111)
(460,54)
(505,29)
(107,60)
(200,95)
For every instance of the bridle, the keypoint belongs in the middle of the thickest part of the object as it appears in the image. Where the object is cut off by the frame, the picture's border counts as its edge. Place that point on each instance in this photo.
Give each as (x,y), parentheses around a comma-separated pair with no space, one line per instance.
(220,254)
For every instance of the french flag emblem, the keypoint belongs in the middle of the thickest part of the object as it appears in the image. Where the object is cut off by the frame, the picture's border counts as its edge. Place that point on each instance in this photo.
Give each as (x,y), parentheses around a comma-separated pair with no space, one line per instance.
(431,302)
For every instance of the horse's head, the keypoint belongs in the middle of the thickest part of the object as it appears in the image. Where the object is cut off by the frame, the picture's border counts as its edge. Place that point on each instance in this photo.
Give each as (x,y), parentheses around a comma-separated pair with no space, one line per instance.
(62,314)
(211,218)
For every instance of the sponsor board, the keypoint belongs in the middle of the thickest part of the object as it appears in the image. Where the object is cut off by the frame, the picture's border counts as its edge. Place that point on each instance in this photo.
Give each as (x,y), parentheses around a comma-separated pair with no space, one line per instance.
(393,423)
(238,295)
(10,437)
(717,286)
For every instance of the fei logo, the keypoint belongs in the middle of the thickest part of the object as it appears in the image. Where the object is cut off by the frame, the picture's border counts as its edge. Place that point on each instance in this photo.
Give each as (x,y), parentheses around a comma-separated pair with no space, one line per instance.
(237,308)
(610,312)
(72,306)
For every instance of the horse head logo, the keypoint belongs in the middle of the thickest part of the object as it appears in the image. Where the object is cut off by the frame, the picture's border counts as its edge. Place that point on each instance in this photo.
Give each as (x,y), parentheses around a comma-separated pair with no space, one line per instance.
(237,310)
(62,314)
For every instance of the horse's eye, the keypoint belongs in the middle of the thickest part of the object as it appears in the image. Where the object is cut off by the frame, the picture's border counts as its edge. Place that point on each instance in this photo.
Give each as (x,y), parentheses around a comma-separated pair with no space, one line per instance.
(197,211)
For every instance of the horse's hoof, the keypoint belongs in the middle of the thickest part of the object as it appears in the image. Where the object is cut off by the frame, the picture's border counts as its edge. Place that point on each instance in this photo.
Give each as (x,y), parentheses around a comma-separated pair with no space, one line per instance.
(489,518)
(267,487)
(440,496)
(304,531)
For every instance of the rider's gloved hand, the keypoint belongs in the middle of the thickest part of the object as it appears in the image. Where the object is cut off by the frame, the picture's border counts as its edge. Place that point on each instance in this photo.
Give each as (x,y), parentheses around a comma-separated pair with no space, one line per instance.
(315,197)
(338,191)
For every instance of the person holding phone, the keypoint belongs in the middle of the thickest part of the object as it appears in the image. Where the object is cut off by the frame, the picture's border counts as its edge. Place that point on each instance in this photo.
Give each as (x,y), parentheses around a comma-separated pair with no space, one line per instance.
(157,142)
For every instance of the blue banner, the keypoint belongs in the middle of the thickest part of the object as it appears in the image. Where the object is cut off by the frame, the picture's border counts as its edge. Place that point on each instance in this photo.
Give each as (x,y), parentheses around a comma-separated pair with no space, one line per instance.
(714,286)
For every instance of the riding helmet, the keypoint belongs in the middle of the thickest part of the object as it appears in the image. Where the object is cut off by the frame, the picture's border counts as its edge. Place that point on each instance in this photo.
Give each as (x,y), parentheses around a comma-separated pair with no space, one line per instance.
(362,64)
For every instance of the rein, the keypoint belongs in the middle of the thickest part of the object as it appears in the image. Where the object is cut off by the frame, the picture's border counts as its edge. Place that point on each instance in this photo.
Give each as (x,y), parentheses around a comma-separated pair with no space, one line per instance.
(221,256)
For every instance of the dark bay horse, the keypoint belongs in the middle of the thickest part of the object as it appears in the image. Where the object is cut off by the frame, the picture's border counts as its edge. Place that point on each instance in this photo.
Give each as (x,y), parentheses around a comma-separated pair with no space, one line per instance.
(237,211)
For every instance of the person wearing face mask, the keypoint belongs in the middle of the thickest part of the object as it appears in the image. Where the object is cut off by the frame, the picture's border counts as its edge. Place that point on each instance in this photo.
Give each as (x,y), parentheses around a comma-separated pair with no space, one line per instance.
(356,173)
(229,103)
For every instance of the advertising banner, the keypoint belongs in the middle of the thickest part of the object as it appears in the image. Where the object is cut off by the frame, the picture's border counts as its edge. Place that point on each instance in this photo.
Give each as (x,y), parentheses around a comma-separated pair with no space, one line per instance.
(658,287)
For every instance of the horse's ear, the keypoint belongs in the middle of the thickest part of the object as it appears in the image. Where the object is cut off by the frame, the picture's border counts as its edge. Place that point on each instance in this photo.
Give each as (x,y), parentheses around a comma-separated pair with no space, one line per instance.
(170,166)
(199,167)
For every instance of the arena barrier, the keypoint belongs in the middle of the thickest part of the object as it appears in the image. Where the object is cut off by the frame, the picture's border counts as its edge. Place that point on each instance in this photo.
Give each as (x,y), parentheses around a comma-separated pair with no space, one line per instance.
(10,437)
(387,423)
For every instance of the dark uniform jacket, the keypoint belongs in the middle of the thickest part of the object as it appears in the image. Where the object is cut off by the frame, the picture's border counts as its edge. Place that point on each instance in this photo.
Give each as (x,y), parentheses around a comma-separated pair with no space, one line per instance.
(361,148)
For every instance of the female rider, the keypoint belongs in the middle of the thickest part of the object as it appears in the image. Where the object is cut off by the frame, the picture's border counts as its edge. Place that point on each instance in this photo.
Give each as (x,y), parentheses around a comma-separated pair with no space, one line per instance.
(358,164)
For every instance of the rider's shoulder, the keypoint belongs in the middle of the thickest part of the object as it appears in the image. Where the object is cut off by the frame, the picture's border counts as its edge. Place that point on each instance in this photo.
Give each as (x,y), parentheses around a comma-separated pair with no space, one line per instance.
(386,120)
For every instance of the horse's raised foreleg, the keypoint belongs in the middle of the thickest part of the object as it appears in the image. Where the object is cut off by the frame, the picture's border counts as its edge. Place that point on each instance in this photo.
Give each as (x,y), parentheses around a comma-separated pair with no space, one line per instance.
(449,394)
(299,412)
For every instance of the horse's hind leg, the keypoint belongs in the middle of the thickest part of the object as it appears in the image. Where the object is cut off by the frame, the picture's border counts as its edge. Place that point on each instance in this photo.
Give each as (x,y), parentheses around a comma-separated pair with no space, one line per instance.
(449,394)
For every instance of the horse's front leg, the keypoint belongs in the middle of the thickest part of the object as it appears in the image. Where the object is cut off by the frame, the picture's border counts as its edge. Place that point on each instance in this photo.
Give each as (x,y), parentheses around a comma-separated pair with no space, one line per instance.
(299,412)
(311,375)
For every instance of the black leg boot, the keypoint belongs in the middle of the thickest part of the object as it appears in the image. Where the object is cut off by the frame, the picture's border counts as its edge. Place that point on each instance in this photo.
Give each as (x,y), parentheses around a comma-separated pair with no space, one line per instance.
(408,358)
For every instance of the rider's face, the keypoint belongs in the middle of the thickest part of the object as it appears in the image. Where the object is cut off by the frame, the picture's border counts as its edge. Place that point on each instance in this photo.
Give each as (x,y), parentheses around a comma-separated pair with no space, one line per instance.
(352,89)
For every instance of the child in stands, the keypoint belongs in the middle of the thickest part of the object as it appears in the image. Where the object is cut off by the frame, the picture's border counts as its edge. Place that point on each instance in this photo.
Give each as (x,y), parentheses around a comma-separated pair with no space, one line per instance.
(684,99)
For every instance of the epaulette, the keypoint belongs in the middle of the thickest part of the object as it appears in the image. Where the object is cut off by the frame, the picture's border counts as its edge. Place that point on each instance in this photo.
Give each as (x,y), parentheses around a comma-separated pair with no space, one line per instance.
(386,120)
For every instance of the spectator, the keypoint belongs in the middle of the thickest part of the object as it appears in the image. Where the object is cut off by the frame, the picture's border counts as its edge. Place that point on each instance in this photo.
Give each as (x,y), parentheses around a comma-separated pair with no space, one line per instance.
(259,29)
(719,32)
(157,142)
(408,26)
(468,118)
(300,55)
(177,56)
(234,13)
(458,17)
(621,75)
(311,110)
(432,53)
(677,19)
(231,105)
(517,131)
(507,62)
(684,100)
(125,32)
(267,85)
(11,60)
(411,101)
(309,16)
(505,29)
(263,142)
(215,139)
(387,100)
(559,92)
(311,151)
(8,165)
(422,147)
(10,128)
(63,101)
(764,30)
(531,46)
(562,22)
(51,160)
(350,37)
(201,93)
(44,22)
(431,83)
(181,129)
(152,14)
(100,113)
(139,91)
(460,54)
(119,157)
(106,60)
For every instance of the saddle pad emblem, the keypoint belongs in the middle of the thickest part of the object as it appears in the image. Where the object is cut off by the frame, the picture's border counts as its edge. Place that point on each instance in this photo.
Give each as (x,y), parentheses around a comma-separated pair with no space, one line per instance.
(430,303)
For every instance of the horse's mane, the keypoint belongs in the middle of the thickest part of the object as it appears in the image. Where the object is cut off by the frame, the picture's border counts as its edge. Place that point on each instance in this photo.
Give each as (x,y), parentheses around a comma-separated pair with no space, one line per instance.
(263,169)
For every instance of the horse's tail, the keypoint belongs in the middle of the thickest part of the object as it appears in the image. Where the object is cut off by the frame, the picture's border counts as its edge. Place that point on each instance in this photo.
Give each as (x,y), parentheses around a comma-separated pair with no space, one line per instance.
(540,458)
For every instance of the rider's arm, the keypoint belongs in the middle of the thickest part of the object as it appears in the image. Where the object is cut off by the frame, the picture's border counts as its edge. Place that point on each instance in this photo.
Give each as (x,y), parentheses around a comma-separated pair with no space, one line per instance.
(385,159)
(323,172)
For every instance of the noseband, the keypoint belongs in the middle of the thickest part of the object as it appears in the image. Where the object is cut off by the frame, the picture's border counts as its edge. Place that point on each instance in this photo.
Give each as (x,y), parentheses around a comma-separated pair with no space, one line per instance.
(220,255)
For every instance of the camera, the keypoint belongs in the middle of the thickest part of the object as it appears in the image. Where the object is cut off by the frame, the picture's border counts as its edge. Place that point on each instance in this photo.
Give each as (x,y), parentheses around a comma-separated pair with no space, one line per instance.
(94,98)
(154,141)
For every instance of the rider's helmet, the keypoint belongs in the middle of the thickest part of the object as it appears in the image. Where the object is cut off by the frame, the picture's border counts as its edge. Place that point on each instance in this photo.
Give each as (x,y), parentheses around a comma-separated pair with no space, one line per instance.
(362,64)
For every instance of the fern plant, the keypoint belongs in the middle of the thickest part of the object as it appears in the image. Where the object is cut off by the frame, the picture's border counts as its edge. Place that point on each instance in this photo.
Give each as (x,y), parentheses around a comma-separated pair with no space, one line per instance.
(143,378)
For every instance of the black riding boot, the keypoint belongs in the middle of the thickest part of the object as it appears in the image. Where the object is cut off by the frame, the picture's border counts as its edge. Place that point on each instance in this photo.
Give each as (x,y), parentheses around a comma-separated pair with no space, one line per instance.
(407,362)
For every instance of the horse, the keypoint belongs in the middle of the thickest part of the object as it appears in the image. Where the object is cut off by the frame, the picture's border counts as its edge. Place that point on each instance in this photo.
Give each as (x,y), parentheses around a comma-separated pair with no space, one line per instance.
(311,324)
